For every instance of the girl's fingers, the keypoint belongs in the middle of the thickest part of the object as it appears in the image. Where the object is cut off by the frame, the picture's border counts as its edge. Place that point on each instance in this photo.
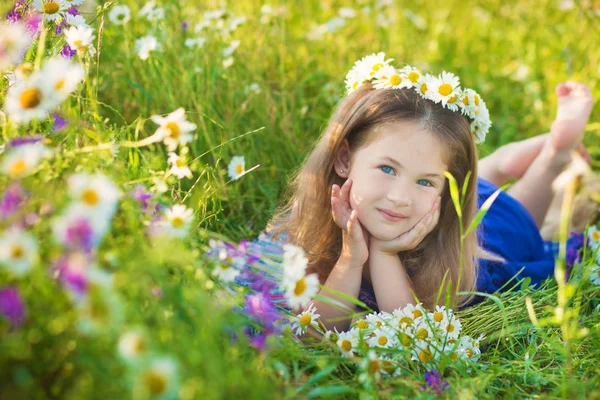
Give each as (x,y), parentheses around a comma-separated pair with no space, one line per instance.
(345,190)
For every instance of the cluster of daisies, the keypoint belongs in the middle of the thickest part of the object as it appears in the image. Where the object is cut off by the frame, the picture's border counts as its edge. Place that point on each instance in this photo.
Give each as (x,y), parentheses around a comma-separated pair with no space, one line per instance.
(593,236)
(444,88)
(411,333)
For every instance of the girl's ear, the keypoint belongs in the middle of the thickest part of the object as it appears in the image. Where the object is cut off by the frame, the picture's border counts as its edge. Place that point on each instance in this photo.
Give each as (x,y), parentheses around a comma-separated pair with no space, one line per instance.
(342,160)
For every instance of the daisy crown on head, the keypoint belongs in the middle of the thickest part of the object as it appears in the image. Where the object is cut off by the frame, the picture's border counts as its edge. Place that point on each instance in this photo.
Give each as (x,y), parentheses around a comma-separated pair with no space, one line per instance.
(444,88)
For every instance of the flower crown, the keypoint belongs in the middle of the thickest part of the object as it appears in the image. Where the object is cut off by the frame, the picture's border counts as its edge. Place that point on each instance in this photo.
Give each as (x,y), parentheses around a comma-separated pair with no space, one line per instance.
(444,88)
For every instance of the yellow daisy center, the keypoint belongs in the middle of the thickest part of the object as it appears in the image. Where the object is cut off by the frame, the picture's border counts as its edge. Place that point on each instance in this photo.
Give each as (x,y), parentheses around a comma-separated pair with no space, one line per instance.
(17,251)
(413,76)
(450,328)
(469,353)
(362,324)
(300,287)
(377,67)
(382,340)
(25,69)
(395,80)
(59,84)
(30,98)
(90,197)
(405,320)
(388,366)
(453,356)
(177,222)
(417,314)
(465,100)
(378,323)
(305,320)
(333,337)
(346,345)
(598,273)
(595,236)
(422,334)
(224,266)
(18,167)
(445,89)
(174,128)
(155,382)
(425,355)
(239,169)
(438,316)
(139,346)
(77,43)
(476,99)
(405,340)
(354,85)
(179,163)
(424,88)
(50,8)
(452,341)
(453,98)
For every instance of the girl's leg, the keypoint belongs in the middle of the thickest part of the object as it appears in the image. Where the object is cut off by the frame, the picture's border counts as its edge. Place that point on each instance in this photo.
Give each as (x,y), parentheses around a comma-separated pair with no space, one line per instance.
(534,189)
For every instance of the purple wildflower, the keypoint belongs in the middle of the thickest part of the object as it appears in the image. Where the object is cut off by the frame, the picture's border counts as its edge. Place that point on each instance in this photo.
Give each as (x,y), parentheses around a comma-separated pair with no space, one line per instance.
(140,195)
(73,11)
(67,52)
(59,28)
(16,14)
(260,308)
(25,140)
(33,24)
(80,235)
(12,200)
(574,244)
(71,271)
(12,306)
(59,123)
(434,382)
(184,25)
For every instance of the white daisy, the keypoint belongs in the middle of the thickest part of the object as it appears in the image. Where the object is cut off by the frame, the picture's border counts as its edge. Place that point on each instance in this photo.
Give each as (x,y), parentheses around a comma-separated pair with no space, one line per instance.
(146,44)
(372,367)
(294,263)
(595,275)
(96,192)
(361,324)
(482,123)
(52,9)
(347,12)
(18,250)
(354,79)
(158,380)
(215,14)
(348,342)
(119,15)
(63,76)
(229,50)
(445,89)
(470,102)
(178,167)
(228,269)
(305,319)
(30,99)
(301,292)
(332,336)
(14,40)
(423,85)
(80,226)
(375,320)
(451,327)
(369,65)
(74,3)
(151,12)
(593,235)
(390,77)
(133,345)
(20,74)
(76,20)
(80,38)
(468,349)
(417,311)
(383,337)
(22,160)
(202,25)
(174,128)
(178,220)
(412,74)
(441,315)
(404,320)
(195,42)
(235,22)
(236,168)
(422,352)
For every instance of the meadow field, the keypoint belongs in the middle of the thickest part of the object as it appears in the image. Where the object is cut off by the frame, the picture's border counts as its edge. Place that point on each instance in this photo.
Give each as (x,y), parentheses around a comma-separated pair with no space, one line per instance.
(145,146)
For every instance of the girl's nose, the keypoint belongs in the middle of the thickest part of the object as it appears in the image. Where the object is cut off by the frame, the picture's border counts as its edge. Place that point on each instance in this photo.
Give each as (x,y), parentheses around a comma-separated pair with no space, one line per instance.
(400,196)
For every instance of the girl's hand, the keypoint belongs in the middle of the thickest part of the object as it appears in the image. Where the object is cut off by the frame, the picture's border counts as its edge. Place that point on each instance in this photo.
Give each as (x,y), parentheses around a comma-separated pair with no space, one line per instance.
(409,240)
(354,239)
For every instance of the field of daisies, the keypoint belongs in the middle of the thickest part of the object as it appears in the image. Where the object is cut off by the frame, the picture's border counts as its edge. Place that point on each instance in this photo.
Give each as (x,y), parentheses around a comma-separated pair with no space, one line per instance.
(146,145)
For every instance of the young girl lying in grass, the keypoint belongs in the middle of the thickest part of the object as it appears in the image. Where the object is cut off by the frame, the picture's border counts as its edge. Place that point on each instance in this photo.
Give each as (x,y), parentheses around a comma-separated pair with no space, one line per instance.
(371,205)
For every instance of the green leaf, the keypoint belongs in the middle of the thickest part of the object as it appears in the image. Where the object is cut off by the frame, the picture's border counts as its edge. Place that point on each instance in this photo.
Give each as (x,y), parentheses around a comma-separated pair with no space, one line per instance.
(466,184)
(525,283)
(329,390)
(454,192)
(481,213)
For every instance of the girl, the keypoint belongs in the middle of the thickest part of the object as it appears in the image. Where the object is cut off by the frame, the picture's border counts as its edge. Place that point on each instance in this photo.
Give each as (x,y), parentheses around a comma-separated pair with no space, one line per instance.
(372,209)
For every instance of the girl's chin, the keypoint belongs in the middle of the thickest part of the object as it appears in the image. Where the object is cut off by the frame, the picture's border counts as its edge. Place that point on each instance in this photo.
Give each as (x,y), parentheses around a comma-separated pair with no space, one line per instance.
(386,234)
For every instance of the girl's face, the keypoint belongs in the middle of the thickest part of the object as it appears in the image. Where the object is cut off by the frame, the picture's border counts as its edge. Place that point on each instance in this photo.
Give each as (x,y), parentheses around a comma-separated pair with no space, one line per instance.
(396,178)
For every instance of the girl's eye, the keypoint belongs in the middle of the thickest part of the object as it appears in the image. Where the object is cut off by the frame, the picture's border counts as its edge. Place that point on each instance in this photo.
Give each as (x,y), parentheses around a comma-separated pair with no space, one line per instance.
(386,169)
(424,182)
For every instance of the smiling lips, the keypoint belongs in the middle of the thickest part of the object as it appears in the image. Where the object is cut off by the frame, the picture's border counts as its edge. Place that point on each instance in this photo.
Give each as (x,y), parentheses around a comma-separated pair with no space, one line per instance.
(392,216)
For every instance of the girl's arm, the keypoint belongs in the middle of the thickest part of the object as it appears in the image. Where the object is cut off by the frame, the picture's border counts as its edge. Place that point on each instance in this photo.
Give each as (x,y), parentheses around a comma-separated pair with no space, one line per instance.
(344,277)
(390,281)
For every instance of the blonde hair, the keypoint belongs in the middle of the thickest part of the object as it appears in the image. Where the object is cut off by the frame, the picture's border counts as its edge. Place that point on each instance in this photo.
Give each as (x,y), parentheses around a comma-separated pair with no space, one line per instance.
(307,217)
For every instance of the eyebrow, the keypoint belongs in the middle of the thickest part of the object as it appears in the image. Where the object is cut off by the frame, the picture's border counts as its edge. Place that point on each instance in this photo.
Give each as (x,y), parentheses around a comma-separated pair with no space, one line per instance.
(397,163)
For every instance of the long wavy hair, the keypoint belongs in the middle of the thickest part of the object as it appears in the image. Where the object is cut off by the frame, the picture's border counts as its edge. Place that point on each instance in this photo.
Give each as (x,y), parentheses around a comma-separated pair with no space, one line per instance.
(306,216)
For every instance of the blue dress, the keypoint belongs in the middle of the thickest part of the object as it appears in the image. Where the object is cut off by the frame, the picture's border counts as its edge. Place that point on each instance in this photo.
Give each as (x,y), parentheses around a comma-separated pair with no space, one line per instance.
(509,231)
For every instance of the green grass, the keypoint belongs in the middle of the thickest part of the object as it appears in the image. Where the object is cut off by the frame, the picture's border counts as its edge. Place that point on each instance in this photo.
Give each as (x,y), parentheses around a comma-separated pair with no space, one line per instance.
(488,44)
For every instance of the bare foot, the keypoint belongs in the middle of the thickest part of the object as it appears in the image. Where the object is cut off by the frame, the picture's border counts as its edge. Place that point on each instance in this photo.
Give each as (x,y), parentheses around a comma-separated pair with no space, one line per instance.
(575,103)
